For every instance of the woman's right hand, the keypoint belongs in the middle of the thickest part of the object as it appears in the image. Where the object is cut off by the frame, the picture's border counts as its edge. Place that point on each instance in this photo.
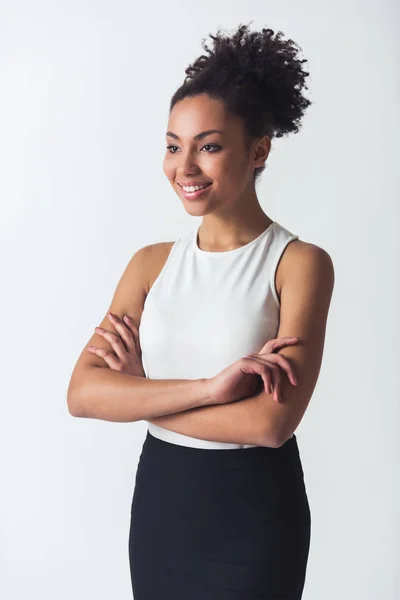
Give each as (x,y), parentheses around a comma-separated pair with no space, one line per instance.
(241,378)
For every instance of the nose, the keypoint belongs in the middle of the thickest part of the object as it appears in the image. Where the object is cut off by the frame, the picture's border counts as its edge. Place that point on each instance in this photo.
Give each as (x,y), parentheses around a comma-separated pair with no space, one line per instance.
(187,165)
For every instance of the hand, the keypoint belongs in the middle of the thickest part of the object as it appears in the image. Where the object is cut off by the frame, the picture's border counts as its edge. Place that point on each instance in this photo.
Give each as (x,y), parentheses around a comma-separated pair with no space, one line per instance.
(240,379)
(126,345)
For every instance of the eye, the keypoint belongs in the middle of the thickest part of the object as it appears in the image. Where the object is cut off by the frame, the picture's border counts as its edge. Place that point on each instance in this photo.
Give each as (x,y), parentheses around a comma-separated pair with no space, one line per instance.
(213,146)
(218,148)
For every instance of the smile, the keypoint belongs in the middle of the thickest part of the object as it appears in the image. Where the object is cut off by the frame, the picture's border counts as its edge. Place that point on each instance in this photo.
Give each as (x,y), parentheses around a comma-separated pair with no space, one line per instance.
(193,195)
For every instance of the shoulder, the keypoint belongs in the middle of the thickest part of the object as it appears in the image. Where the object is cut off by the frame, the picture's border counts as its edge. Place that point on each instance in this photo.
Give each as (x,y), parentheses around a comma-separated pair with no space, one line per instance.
(153,258)
(155,249)
(306,264)
(158,248)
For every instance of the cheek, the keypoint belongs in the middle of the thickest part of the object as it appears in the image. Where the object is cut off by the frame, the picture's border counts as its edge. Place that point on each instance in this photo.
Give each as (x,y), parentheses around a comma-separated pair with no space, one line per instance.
(220,167)
(167,168)
(230,172)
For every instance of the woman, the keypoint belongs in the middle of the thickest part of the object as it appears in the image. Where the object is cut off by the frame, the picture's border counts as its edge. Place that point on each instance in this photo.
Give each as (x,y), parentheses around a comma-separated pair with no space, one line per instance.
(220,509)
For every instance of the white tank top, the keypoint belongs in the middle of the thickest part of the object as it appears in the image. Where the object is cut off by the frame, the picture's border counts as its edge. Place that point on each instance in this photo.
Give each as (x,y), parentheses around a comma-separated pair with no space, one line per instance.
(206,310)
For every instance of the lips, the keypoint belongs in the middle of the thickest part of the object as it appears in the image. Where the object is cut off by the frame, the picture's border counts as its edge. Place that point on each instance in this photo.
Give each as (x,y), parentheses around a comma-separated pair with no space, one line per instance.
(194,184)
(196,194)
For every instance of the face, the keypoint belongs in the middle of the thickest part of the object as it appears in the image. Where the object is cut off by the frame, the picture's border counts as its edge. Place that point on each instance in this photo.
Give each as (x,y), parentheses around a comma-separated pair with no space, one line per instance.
(193,157)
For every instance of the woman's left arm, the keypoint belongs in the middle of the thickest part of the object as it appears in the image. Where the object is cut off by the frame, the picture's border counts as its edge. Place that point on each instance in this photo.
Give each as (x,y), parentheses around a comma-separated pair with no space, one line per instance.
(239,422)
(307,276)
(307,286)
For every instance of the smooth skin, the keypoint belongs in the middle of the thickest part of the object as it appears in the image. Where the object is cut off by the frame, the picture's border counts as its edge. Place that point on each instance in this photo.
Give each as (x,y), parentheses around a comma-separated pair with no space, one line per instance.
(125,356)
(231,217)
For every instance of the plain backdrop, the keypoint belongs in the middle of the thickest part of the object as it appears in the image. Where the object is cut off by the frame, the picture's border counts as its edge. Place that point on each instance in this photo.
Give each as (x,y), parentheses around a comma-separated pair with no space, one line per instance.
(85,87)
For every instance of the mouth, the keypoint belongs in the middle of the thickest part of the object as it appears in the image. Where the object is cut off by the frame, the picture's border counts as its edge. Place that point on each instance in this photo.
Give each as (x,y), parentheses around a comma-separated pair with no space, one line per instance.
(196,194)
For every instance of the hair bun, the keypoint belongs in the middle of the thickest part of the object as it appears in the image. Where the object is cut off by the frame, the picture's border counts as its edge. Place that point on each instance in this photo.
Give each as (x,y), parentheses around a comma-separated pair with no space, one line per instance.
(257,74)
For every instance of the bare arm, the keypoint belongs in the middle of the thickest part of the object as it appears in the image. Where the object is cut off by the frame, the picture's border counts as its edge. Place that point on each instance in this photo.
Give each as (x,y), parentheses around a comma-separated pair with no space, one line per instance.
(97,392)
(258,419)
(306,294)
(119,397)
(240,422)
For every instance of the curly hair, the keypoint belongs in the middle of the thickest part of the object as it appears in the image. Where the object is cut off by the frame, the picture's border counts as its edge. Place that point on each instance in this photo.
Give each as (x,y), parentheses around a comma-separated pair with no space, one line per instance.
(257,75)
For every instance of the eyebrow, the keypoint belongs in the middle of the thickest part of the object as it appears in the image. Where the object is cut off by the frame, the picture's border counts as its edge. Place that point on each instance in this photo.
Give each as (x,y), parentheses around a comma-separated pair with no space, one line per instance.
(199,136)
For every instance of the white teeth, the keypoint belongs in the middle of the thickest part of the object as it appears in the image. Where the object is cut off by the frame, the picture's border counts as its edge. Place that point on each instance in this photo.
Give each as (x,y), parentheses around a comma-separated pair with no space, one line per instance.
(195,188)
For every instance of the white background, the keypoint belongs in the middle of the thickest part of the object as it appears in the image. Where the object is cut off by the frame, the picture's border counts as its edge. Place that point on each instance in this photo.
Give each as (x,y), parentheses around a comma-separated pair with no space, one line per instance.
(85,88)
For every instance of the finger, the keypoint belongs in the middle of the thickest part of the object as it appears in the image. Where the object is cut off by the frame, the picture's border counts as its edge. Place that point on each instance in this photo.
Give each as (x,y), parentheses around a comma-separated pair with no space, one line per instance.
(124,332)
(286,366)
(106,355)
(254,365)
(129,322)
(114,340)
(276,379)
(274,372)
(267,379)
(276,343)
(283,362)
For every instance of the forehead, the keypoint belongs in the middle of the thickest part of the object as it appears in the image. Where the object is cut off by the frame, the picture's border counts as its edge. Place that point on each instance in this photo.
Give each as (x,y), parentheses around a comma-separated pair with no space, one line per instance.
(200,113)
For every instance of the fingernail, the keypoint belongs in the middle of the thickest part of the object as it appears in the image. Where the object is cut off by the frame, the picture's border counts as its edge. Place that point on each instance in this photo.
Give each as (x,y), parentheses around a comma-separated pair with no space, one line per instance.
(126,318)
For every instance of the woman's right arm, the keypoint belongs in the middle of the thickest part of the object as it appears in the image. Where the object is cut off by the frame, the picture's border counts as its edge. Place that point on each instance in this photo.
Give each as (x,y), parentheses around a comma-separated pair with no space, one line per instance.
(95,391)
(112,396)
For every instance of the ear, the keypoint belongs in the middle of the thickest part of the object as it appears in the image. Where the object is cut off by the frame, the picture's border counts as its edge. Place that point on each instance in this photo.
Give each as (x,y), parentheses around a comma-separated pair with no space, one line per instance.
(262,151)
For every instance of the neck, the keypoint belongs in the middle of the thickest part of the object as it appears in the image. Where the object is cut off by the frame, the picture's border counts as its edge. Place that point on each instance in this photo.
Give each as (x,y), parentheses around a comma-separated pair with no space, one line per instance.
(231,229)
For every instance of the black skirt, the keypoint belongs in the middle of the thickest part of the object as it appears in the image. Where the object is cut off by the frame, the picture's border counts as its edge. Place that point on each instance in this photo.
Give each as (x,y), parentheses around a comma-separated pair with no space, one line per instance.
(219,524)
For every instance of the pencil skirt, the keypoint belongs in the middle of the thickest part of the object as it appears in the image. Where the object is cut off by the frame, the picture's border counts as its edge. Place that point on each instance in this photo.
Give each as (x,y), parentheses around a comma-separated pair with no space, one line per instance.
(211,524)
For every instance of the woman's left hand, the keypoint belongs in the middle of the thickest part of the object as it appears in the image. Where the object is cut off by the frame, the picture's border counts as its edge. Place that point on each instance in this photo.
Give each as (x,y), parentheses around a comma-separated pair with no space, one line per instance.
(126,345)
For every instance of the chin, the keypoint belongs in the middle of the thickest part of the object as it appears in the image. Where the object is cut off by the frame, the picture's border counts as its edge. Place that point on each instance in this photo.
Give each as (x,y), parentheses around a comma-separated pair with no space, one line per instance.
(196,210)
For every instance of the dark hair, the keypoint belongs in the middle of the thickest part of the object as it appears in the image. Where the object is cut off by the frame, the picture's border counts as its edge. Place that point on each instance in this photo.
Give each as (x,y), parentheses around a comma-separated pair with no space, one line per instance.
(257,76)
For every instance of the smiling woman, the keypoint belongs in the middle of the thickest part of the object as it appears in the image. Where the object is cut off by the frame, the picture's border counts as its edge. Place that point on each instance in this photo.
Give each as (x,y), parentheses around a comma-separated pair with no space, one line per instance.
(220,506)
(220,509)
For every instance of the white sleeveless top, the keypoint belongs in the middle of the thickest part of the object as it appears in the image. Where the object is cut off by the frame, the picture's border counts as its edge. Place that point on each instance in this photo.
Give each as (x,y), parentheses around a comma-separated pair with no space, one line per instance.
(206,310)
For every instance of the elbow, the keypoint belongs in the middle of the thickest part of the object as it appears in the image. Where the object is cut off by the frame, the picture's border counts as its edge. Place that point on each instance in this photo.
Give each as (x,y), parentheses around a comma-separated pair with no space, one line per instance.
(80,394)
(271,442)
(74,409)
(274,437)
(74,403)
(270,439)
(282,441)
(283,437)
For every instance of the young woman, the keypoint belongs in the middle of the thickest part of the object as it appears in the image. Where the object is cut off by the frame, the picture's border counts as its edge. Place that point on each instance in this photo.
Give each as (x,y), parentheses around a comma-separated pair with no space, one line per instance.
(219,509)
